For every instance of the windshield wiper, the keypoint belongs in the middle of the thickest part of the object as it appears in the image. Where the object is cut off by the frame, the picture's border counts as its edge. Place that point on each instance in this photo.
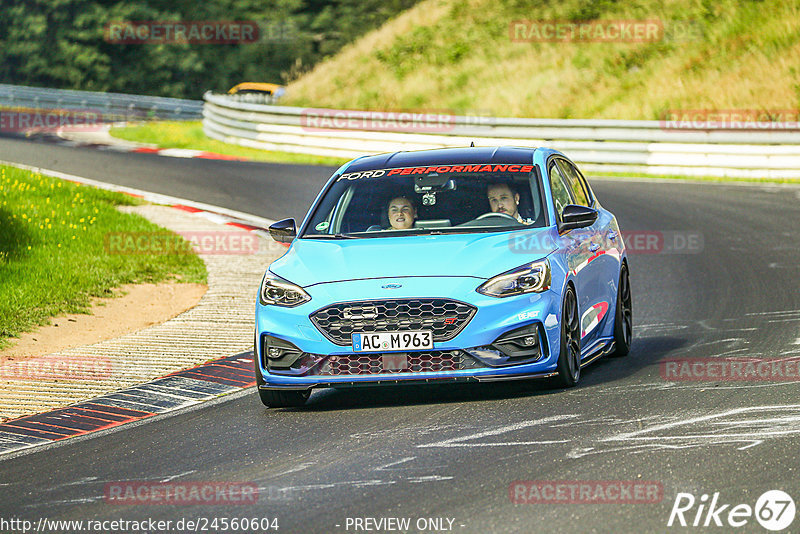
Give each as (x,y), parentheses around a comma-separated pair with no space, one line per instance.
(329,236)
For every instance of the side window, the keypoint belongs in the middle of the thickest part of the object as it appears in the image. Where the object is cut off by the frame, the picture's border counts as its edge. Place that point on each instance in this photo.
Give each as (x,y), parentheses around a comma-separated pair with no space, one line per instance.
(575,183)
(586,185)
(558,186)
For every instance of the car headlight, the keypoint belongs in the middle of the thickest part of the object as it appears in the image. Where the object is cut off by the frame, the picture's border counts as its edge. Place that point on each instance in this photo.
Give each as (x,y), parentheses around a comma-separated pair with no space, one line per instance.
(530,278)
(279,292)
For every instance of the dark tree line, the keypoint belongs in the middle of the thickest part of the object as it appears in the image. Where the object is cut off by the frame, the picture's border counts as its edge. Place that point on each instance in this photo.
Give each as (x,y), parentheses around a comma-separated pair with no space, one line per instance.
(64,43)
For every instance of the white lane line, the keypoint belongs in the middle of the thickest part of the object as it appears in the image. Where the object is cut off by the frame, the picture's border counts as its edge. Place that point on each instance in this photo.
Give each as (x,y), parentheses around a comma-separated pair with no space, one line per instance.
(446,444)
(763,421)
(746,436)
(638,434)
(180,152)
(398,462)
(356,483)
(173,477)
(779,312)
(753,444)
(580,452)
(458,442)
(295,469)
(428,478)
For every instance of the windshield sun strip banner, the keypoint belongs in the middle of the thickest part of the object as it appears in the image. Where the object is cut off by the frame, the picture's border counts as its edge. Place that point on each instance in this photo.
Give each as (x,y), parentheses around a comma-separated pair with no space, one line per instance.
(440,169)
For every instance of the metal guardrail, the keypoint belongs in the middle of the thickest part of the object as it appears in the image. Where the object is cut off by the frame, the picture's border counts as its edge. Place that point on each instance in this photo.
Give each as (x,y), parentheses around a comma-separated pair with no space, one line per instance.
(608,145)
(112,106)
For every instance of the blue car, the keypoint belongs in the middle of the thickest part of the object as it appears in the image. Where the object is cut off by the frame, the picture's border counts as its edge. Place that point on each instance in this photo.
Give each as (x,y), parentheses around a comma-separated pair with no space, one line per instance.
(458,264)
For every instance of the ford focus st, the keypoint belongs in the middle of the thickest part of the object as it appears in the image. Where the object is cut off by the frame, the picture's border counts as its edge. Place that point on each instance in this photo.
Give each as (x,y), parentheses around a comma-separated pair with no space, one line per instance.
(439,266)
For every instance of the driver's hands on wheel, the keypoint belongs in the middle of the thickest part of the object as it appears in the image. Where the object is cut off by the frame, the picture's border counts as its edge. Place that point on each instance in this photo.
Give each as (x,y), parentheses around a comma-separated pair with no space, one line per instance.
(498,214)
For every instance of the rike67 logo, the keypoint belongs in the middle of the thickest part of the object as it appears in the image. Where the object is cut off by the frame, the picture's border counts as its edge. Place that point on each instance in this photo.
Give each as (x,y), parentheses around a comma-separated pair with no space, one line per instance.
(774,510)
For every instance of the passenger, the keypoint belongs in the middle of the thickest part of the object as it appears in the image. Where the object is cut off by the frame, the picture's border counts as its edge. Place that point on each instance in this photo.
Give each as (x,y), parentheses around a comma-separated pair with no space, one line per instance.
(402,213)
(502,199)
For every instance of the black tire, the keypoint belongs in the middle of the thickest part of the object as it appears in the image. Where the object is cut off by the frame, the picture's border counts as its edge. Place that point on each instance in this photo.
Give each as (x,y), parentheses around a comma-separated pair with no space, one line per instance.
(623,317)
(569,356)
(283,399)
(276,398)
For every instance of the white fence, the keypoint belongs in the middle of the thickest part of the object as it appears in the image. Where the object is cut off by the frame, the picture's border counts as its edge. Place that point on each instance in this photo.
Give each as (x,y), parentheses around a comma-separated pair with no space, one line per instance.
(653,147)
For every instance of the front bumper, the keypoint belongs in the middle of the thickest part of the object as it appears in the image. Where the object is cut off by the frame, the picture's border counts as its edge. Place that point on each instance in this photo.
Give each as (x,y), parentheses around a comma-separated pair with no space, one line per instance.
(494,318)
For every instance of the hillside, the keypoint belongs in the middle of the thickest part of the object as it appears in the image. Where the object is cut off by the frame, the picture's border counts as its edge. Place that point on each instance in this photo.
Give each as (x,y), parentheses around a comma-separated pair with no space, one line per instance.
(458,55)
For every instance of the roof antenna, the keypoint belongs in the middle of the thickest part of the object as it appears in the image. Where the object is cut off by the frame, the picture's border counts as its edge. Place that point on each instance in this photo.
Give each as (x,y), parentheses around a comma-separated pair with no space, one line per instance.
(472,144)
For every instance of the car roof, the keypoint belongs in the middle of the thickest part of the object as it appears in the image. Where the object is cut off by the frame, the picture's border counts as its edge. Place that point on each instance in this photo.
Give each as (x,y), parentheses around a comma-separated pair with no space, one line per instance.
(255,86)
(445,156)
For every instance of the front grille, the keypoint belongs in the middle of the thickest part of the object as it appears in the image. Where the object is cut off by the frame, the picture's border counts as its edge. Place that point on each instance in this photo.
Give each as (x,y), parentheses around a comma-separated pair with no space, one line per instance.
(412,362)
(445,317)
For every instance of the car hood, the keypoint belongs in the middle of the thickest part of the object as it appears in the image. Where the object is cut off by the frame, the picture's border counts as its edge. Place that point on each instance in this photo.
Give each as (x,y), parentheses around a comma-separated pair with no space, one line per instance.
(482,255)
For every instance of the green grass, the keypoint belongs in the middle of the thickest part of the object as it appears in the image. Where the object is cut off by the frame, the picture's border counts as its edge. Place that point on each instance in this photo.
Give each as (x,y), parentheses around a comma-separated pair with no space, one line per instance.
(53,254)
(189,134)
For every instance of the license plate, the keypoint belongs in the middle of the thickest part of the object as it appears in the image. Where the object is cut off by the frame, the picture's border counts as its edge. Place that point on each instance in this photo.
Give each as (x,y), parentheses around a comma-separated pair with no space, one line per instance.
(391,341)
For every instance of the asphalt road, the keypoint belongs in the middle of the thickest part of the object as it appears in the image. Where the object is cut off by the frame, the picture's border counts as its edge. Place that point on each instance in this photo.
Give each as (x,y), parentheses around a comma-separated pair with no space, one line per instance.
(268,190)
(454,452)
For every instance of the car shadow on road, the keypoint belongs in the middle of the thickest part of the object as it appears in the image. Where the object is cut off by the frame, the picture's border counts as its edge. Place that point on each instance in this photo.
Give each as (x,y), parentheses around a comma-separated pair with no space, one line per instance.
(646,352)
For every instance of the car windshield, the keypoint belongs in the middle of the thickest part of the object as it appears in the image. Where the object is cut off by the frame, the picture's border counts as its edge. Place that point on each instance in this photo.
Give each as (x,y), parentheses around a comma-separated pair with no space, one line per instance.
(428,200)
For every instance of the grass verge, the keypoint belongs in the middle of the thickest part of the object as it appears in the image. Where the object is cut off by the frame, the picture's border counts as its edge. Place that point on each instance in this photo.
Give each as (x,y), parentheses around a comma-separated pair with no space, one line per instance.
(189,134)
(53,254)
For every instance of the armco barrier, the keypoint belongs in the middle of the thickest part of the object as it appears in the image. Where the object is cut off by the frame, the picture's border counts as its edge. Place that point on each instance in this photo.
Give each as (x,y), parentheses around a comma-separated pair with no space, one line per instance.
(113,106)
(607,145)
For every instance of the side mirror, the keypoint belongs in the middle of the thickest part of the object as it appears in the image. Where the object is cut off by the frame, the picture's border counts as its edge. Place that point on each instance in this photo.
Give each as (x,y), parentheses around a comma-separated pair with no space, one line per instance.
(283,231)
(575,216)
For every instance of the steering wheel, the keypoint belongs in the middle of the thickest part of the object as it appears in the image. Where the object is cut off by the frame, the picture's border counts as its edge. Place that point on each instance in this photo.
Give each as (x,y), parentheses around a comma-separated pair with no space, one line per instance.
(495,214)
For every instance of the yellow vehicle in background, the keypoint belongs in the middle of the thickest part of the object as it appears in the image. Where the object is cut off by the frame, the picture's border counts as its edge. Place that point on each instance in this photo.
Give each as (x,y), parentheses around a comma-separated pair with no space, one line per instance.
(257,92)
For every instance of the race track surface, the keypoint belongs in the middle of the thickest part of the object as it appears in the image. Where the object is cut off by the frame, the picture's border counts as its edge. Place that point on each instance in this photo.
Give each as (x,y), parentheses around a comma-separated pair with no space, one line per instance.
(453,452)
(270,190)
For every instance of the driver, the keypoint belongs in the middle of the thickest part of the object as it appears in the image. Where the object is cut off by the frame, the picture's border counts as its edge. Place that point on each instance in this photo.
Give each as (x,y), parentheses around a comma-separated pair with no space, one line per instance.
(502,199)
(402,213)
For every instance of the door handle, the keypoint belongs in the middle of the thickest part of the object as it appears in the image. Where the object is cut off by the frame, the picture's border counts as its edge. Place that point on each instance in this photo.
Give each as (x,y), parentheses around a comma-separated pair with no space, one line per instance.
(612,235)
(593,247)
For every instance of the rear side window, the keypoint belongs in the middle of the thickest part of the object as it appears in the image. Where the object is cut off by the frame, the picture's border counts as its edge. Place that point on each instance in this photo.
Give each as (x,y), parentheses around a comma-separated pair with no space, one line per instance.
(559,189)
(575,183)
